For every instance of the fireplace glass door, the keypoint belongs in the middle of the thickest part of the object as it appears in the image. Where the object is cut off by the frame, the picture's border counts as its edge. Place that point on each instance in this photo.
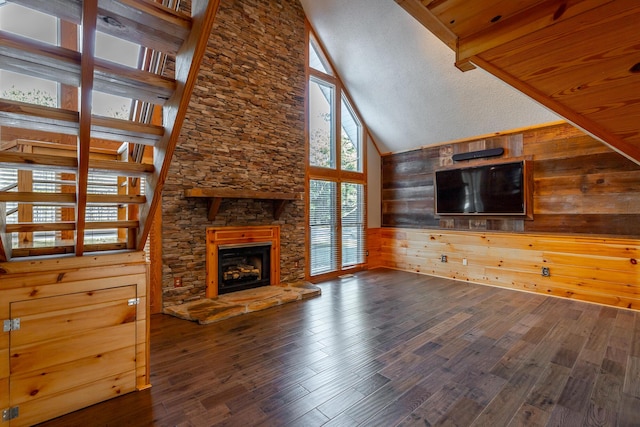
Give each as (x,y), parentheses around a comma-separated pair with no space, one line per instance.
(243,267)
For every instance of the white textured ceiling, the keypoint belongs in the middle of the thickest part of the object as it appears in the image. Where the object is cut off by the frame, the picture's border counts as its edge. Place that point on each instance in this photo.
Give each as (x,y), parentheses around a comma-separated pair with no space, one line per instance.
(403,81)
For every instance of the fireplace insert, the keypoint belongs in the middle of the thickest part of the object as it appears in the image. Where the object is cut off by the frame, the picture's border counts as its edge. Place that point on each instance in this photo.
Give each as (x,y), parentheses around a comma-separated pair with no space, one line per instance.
(243,266)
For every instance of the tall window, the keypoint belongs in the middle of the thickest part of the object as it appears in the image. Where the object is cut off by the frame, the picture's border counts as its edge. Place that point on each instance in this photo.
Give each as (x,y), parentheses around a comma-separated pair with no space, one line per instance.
(336,173)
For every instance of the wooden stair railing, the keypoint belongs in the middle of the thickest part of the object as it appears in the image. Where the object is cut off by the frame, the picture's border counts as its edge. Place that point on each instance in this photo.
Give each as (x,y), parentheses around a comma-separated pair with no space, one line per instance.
(144,22)
(577,58)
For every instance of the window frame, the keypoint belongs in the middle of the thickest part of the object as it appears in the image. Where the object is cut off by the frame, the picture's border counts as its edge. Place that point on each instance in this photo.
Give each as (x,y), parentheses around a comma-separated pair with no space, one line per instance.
(337,174)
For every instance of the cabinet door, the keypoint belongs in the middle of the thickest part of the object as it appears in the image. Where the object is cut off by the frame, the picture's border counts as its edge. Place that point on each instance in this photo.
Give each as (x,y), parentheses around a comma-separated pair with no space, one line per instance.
(71,351)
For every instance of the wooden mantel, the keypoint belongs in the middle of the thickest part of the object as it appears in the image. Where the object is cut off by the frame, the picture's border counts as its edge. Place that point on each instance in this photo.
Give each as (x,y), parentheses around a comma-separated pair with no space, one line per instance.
(215,196)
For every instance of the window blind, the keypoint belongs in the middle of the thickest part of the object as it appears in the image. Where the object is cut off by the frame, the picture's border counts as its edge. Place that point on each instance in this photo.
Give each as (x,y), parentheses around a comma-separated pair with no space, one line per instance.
(352,215)
(323,225)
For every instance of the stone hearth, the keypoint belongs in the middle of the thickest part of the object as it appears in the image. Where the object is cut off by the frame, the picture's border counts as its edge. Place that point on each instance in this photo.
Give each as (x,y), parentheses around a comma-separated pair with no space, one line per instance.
(208,310)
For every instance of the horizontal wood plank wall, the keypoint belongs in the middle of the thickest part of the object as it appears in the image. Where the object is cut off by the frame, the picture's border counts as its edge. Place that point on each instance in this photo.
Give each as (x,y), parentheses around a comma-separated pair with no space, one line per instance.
(58,289)
(373,248)
(597,269)
(580,185)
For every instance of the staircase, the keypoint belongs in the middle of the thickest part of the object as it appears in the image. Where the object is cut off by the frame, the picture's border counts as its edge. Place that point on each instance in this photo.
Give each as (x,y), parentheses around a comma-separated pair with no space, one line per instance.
(95,164)
(579,58)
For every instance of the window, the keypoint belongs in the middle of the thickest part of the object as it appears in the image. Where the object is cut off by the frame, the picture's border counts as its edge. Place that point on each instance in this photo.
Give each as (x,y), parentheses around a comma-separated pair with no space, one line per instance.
(322,223)
(322,151)
(336,173)
(317,59)
(351,139)
(352,200)
(35,25)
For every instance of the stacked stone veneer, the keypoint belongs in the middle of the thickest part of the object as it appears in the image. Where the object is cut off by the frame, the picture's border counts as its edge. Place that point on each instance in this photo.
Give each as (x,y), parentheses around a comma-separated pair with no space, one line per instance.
(244,130)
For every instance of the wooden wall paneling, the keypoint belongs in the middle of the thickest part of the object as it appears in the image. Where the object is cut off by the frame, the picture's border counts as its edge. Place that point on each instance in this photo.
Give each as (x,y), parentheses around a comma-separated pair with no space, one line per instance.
(408,185)
(373,248)
(562,147)
(155,267)
(579,184)
(620,224)
(624,182)
(596,269)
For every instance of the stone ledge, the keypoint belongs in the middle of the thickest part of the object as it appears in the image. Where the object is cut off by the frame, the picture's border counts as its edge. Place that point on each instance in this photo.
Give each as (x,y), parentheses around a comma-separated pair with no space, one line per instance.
(206,310)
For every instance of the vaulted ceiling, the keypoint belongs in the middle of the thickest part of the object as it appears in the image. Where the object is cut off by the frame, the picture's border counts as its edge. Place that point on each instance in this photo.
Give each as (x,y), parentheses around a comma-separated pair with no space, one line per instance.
(578,58)
(403,79)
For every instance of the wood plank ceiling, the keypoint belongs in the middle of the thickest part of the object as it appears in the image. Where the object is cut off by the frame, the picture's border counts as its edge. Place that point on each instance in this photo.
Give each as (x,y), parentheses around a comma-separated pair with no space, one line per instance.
(159,30)
(579,58)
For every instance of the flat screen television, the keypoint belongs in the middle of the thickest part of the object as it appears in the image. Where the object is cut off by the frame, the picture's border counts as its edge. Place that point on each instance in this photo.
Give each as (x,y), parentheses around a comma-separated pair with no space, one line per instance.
(488,189)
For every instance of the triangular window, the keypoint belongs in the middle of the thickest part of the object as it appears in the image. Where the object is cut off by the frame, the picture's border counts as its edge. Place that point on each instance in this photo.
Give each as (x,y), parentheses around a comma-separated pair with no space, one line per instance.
(317,60)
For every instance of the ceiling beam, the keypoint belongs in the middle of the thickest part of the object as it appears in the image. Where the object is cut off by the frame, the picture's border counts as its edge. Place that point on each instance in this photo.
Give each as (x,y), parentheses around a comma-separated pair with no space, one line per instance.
(617,143)
(424,16)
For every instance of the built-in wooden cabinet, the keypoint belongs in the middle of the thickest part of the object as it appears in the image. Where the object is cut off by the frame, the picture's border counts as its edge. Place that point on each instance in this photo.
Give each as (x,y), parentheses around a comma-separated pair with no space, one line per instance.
(75,333)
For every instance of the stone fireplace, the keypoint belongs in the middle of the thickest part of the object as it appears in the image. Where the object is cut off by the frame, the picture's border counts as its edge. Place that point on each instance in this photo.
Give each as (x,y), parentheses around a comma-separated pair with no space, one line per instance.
(242,258)
(244,131)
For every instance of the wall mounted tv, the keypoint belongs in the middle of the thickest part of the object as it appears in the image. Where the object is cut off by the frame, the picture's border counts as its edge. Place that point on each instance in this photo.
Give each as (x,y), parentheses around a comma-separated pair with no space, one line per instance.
(493,189)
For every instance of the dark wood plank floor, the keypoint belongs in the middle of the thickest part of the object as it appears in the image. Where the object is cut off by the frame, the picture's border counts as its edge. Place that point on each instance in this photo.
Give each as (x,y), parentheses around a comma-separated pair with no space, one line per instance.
(392,348)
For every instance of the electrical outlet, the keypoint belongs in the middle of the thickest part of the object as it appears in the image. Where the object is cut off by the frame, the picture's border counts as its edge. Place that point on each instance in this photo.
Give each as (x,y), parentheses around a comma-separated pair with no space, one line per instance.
(464,261)
(443,258)
(545,272)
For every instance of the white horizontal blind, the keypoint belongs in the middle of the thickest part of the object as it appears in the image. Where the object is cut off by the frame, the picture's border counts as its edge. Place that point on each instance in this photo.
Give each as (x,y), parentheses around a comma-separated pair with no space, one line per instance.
(352,215)
(9,182)
(46,182)
(323,225)
(102,184)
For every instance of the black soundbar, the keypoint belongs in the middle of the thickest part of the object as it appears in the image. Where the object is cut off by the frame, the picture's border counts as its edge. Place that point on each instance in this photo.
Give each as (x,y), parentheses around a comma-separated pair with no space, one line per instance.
(491,152)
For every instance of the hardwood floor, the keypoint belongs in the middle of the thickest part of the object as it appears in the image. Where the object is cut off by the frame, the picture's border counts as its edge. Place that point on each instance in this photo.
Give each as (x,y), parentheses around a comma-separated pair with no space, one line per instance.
(392,348)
